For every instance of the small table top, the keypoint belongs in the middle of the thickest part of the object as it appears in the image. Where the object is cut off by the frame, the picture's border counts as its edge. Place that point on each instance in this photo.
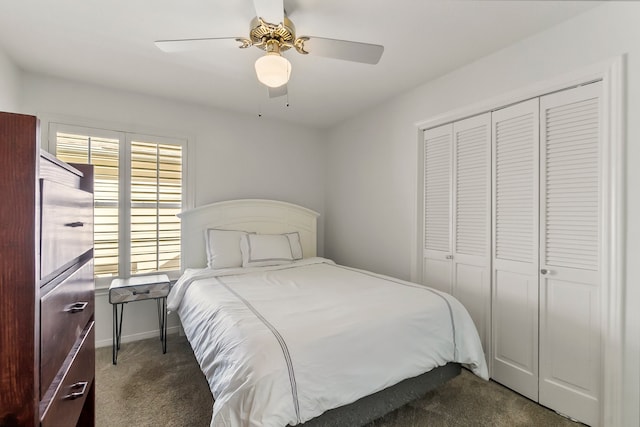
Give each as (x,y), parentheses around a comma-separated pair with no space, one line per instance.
(140,280)
(139,288)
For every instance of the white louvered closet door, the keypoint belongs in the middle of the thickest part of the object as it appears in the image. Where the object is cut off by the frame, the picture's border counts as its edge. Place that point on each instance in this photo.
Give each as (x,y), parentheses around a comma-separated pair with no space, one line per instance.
(570,252)
(515,137)
(472,221)
(437,253)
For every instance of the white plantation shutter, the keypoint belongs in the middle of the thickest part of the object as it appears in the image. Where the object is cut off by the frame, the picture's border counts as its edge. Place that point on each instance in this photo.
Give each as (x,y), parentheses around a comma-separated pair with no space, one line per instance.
(138,192)
(571,185)
(156,198)
(103,153)
(472,190)
(437,184)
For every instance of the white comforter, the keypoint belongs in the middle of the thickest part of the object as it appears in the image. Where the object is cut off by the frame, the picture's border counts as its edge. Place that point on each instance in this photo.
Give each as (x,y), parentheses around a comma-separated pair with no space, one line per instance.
(281,345)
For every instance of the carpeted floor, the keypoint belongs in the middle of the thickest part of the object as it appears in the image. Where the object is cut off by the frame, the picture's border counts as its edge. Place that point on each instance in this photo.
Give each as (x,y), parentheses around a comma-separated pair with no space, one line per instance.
(148,388)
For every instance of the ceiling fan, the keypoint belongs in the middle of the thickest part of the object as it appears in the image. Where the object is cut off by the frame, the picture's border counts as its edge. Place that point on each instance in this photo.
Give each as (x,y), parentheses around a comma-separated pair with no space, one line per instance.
(272,31)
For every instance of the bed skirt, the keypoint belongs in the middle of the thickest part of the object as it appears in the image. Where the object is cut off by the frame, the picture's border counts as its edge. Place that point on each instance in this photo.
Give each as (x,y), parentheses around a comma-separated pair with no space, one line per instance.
(377,405)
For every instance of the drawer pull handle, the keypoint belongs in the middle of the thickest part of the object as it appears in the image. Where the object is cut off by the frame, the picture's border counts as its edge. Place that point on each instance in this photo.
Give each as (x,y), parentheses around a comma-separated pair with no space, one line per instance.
(147,292)
(82,385)
(77,307)
(74,224)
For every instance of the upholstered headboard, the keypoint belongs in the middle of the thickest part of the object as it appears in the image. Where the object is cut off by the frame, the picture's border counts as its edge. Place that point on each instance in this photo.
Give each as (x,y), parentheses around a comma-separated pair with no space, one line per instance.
(255,215)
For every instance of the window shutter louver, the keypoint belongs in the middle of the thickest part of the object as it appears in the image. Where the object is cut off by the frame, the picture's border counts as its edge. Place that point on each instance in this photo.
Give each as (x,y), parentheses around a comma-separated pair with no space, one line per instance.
(103,153)
(156,198)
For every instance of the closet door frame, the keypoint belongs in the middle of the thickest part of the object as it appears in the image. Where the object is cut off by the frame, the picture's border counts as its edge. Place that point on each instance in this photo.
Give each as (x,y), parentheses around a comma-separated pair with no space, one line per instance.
(612,74)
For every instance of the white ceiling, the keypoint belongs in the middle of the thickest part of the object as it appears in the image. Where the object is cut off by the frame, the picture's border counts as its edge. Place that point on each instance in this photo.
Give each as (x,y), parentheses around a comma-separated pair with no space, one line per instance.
(110,43)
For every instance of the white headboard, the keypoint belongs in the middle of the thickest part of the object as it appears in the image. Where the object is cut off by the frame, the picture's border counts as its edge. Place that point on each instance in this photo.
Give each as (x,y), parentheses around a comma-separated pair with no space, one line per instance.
(256,215)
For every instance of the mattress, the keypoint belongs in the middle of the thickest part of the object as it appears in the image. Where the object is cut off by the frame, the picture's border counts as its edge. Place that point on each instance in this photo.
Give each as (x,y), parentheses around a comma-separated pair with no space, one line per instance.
(280,345)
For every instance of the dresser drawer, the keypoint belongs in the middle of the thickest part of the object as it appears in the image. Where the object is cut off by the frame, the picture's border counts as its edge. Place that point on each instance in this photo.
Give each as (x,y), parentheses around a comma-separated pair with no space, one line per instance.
(66,227)
(66,404)
(65,311)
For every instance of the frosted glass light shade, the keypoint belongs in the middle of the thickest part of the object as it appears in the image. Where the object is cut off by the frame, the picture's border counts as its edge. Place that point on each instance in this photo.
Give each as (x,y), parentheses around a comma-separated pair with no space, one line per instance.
(273,70)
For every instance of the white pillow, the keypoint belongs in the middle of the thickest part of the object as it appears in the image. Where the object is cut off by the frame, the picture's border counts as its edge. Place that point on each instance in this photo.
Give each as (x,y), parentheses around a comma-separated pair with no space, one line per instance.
(296,246)
(265,249)
(223,248)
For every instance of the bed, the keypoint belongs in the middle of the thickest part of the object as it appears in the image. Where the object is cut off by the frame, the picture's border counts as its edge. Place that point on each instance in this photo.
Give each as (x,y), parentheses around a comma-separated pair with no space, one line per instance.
(285,337)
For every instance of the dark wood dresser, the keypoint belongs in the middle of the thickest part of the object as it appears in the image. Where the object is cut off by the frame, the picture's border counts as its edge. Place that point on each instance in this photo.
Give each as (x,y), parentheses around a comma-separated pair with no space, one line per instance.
(47,344)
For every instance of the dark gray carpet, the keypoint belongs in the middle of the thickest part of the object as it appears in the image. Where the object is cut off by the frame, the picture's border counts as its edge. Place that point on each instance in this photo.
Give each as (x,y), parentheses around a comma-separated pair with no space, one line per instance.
(148,388)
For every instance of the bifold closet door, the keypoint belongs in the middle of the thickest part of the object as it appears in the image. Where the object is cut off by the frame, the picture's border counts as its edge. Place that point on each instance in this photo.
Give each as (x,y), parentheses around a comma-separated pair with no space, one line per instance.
(472,221)
(515,138)
(570,204)
(437,254)
(457,182)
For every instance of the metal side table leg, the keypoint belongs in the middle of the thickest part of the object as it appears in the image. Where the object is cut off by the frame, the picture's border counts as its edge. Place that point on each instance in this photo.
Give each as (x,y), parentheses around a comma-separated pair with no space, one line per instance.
(162,322)
(114,335)
(117,330)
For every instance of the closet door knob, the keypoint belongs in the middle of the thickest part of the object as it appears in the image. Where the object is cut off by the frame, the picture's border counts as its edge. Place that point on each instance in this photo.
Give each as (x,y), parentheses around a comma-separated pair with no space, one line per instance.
(544,271)
(449,257)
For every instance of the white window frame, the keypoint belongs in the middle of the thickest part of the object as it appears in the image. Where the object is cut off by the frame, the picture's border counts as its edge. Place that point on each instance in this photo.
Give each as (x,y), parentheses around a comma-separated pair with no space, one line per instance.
(50,129)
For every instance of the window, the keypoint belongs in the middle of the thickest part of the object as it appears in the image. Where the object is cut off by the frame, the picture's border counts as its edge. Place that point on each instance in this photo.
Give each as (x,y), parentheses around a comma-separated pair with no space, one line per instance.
(138,188)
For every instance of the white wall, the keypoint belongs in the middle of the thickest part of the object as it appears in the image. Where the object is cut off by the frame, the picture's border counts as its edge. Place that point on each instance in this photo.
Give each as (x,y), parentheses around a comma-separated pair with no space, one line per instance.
(234,156)
(372,159)
(9,84)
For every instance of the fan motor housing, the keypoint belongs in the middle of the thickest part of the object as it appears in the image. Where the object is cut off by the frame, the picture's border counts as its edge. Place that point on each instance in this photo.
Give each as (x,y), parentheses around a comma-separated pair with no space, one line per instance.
(261,32)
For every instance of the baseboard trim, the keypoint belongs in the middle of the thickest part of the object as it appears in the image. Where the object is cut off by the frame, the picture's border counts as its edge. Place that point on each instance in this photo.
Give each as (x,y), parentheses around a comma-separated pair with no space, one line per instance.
(139,336)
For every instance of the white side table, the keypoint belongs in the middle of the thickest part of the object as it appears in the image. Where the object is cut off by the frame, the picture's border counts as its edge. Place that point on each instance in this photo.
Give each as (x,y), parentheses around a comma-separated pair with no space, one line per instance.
(123,291)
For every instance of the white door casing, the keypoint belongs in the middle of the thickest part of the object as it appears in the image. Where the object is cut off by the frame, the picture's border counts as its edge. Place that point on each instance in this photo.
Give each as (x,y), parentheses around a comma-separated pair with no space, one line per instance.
(515,140)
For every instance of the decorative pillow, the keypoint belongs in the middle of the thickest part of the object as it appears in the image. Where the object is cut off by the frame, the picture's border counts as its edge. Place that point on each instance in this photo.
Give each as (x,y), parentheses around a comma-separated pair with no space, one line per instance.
(296,246)
(265,249)
(223,248)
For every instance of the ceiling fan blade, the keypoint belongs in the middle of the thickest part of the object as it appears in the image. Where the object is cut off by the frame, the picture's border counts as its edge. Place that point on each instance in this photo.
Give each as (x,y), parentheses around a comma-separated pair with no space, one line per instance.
(275,92)
(184,45)
(271,11)
(343,49)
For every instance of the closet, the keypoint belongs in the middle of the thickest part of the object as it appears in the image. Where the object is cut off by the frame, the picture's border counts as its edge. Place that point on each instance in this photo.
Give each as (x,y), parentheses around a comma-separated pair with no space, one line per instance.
(539,287)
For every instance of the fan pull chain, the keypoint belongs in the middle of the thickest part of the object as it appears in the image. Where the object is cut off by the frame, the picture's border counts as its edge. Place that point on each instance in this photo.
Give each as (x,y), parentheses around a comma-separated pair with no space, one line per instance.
(288,72)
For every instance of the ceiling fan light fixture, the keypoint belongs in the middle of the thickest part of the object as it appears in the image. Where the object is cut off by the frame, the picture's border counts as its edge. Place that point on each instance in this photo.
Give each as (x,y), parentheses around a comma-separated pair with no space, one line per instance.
(273,70)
